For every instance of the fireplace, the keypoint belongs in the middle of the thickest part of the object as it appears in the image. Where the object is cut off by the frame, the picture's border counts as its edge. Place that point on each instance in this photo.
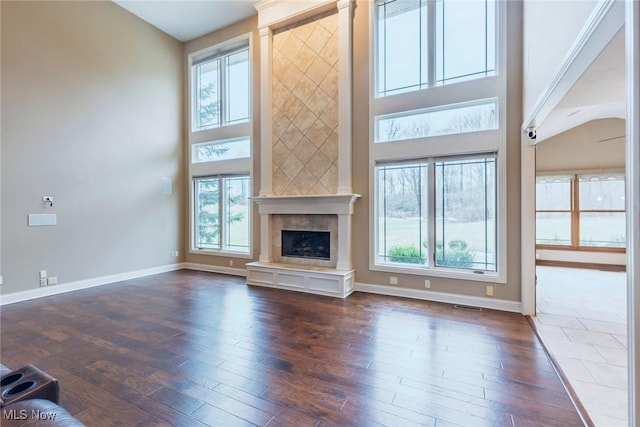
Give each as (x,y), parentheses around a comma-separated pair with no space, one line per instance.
(306,244)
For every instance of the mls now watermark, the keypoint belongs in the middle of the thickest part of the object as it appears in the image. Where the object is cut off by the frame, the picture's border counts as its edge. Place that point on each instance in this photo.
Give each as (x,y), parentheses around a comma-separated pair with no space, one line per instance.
(23,414)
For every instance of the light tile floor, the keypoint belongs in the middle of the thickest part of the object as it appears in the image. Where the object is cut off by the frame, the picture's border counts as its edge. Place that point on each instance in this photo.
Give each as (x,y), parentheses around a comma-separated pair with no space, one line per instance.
(582,317)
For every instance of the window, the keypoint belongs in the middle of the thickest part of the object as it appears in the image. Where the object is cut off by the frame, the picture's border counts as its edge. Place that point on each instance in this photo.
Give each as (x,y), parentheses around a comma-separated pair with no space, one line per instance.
(425,43)
(222,213)
(449,224)
(581,211)
(221,149)
(438,148)
(444,120)
(220,88)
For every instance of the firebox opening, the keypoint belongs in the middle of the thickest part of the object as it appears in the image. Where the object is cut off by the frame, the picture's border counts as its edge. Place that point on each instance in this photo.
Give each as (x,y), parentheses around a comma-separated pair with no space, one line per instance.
(306,244)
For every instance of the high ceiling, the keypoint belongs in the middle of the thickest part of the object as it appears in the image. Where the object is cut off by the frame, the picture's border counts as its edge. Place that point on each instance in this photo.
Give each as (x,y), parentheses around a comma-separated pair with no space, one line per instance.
(189,19)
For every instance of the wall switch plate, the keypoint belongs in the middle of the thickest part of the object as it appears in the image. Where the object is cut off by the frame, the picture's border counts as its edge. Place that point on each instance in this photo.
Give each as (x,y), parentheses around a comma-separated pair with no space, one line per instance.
(43,274)
(393,280)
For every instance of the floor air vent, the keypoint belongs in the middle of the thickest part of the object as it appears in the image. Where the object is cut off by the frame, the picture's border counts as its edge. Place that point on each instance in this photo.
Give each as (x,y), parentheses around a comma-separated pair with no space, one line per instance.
(467,307)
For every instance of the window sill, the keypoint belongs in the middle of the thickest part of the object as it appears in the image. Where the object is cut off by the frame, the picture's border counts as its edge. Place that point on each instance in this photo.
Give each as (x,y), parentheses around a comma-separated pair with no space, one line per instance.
(581,248)
(489,277)
(229,254)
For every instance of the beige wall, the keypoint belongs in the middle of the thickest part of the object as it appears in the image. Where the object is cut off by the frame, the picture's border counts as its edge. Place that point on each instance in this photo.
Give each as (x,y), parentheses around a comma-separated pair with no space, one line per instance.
(550,28)
(581,148)
(91,115)
(247,26)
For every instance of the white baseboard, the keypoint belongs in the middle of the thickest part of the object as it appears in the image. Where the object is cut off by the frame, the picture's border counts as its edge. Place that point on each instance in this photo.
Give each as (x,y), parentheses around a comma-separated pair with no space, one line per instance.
(214,269)
(491,303)
(83,284)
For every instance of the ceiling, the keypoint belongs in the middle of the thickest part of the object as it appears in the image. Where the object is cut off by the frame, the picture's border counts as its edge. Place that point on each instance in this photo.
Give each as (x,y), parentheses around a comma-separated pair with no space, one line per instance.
(189,19)
(598,94)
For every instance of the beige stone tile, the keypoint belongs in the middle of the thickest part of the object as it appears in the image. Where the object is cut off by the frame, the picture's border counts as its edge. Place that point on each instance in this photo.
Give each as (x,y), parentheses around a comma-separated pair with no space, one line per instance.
(292,137)
(280,153)
(318,101)
(319,188)
(606,421)
(279,39)
(318,70)
(622,339)
(291,76)
(280,93)
(330,116)
(304,30)
(291,46)
(305,151)
(305,119)
(576,350)
(291,167)
(291,107)
(593,338)
(603,316)
(329,22)
(330,147)
(280,181)
(318,39)
(330,50)
(318,164)
(280,64)
(329,84)
(318,133)
(330,179)
(305,180)
(280,123)
(304,89)
(304,58)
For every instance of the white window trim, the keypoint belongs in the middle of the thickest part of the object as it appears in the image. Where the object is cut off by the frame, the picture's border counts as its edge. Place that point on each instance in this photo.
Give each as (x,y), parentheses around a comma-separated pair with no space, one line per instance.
(494,86)
(224,167)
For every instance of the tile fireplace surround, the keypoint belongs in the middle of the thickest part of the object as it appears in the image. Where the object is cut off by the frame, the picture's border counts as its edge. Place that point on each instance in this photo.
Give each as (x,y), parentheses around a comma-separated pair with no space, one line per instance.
(305,149)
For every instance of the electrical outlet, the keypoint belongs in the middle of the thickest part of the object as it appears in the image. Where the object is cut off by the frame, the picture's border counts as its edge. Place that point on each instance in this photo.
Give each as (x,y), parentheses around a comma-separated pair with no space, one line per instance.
(52,281)
(43,281)
(489,290)
(427,284)
(231,262)
(393,280)
(43,274)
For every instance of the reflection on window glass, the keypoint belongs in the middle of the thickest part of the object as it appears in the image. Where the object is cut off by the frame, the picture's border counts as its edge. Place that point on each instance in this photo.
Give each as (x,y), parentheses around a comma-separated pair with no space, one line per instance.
(402,214)
(602,229)
(444,120)
(222,213)
(221,150)
(553,193)
(466,214)
(553,228)
(463,47)
(221,90)
(601,193)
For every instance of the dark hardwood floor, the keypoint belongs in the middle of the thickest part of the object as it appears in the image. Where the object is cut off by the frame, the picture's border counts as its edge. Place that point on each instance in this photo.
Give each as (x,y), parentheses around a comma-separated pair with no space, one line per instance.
(191,349)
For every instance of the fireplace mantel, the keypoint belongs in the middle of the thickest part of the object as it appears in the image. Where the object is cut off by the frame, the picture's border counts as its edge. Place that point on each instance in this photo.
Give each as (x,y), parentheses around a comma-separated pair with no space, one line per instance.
(338,204)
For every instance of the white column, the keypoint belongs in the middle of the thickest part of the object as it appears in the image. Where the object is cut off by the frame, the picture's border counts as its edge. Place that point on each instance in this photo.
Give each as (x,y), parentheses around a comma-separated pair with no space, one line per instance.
(345,46)
(528,228)
(265,238)
(344,242)
(266,40)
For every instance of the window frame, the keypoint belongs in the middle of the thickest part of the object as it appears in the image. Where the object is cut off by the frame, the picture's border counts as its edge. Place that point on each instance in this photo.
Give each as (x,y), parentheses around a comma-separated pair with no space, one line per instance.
(472,143)
(575,211)
(220,134)
(222,216)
